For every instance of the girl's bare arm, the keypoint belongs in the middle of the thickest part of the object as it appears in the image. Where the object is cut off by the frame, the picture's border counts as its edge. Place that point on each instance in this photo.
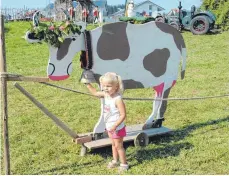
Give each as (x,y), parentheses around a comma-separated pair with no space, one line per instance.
(122,111)
(94,92)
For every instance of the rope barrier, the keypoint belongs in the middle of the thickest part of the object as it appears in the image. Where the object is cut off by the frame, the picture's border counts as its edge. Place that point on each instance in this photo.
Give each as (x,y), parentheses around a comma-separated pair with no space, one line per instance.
(64,88)
(5,74)
(140,99)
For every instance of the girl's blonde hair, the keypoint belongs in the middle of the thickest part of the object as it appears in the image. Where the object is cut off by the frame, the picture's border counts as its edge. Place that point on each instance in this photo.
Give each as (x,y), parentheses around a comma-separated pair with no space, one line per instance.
(113,78)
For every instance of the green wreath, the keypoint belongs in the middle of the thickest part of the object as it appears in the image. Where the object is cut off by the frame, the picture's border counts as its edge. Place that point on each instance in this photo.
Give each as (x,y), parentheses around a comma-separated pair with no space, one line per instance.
(54,33)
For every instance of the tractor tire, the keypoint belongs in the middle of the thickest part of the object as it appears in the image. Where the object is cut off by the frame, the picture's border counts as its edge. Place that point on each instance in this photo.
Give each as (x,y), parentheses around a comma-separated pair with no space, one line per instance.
(176,26)
(160,19)
(199,25)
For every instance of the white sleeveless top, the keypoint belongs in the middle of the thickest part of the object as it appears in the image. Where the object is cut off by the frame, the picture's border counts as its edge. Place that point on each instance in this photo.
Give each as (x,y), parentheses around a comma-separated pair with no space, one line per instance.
(111,113)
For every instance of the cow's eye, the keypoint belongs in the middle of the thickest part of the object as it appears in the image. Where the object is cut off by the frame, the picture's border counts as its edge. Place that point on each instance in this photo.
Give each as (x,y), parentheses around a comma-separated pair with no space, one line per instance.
(73,39)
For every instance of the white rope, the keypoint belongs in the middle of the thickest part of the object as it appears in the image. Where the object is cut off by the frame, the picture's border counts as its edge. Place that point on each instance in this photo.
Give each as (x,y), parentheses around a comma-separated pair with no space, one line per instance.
(141,99)
(5,74)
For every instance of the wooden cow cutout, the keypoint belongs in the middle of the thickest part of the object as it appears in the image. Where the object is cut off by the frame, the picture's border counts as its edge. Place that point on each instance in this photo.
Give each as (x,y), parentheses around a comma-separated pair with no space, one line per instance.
(144,55)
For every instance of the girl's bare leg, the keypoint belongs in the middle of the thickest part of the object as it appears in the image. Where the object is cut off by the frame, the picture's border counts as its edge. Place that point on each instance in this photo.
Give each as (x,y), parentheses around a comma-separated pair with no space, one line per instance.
(120,149)
(114,150)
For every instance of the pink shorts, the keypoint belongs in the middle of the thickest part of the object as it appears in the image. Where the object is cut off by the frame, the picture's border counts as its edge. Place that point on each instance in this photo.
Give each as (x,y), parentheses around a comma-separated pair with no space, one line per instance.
(118,134)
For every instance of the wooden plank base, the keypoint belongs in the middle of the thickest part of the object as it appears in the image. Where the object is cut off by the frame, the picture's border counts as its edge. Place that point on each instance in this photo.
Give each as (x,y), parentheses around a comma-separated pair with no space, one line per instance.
(132,132)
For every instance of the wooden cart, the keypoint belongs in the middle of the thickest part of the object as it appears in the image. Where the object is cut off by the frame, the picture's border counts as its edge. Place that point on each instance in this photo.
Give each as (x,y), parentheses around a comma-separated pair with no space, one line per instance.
(134,133)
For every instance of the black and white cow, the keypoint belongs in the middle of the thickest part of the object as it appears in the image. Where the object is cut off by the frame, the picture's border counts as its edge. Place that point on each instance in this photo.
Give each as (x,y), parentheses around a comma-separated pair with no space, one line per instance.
(144,55)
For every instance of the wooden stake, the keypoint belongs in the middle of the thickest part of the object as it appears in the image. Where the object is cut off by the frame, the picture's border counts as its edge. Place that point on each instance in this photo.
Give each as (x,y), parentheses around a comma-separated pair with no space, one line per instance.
(4,104)
(46,112)
(28,78)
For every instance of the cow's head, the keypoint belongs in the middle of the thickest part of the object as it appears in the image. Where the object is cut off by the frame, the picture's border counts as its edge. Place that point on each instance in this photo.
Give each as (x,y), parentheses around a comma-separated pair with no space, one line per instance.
(64,41)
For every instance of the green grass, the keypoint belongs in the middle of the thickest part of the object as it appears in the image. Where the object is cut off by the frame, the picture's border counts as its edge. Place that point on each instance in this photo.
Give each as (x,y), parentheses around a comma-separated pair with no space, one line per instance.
(199,144)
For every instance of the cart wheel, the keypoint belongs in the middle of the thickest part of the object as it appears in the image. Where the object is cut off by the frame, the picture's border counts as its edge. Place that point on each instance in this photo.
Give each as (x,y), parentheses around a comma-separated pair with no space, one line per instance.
(141,140)
(83,150)
(98,136)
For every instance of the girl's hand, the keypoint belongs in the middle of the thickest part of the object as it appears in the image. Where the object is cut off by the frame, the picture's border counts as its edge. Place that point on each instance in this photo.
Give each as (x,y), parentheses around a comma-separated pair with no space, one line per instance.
(113,129)
(93,91)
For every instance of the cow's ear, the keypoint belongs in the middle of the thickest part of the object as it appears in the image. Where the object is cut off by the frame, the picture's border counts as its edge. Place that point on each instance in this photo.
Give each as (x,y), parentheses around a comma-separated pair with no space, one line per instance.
(30,37)
(82,24)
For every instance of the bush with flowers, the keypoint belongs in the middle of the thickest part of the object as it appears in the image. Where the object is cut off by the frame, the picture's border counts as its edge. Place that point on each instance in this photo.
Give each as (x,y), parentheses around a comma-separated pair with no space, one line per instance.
(54,33)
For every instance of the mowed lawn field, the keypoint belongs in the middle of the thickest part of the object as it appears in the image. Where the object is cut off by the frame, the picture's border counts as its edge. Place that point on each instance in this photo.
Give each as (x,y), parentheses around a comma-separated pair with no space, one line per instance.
(199,144)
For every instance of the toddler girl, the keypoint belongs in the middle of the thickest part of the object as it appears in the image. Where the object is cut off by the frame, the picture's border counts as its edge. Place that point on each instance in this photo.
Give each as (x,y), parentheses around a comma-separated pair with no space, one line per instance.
(114,115)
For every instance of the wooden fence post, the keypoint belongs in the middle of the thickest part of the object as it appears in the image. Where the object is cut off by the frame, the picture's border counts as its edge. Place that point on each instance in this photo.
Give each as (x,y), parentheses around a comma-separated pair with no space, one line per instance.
(4,98)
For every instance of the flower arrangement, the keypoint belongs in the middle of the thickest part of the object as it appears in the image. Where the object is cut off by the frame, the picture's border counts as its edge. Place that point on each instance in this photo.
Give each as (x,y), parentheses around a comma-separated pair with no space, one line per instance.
(54,33)
(137,20)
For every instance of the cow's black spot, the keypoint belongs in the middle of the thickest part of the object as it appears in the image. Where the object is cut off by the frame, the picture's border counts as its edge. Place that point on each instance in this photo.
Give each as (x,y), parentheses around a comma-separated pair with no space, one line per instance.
(156,62)
(113,42)
(63,49)
(32,36)
(132,84)
(178,39)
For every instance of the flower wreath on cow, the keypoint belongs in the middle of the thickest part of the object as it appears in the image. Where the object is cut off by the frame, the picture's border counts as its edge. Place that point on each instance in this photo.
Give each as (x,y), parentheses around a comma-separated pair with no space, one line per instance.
(144,55)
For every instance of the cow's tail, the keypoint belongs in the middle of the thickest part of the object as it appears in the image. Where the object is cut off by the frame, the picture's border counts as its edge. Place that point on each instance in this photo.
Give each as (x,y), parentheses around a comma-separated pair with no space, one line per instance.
(184,56)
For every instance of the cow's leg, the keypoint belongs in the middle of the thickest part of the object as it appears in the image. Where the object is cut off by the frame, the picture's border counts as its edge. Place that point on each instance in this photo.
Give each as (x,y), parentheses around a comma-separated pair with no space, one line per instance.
(156,105)
(159,107)
(100,127)
(163,107)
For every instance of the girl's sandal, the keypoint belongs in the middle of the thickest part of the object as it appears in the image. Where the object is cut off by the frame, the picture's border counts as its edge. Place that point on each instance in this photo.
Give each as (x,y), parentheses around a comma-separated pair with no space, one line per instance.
(112,164)
(123,167)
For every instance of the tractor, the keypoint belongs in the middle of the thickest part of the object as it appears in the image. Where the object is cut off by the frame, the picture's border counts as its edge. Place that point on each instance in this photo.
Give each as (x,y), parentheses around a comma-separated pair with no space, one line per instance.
(197,22)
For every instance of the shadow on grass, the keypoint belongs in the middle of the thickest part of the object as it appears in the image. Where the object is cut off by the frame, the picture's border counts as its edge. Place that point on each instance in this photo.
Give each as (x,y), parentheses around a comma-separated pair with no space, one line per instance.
(214,32)
(162,152)
(165,140)
(77,166)
(143,154)
(180,134)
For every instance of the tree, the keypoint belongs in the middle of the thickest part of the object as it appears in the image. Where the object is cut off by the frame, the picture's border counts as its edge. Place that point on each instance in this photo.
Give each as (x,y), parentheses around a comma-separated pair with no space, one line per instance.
(114,8)
(221,9)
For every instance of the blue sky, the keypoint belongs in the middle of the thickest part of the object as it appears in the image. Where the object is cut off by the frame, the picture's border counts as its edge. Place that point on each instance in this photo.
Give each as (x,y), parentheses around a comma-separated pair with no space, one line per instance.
(167,4)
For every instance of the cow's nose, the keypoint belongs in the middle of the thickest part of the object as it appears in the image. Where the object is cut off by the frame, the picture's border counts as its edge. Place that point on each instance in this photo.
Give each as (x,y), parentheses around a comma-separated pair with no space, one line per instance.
(58,78)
